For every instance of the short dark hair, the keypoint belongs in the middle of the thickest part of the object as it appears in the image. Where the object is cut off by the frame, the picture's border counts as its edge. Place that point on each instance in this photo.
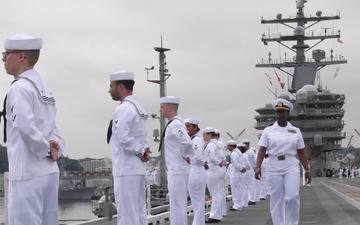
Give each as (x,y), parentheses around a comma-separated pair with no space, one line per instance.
(32,56)
(129,84)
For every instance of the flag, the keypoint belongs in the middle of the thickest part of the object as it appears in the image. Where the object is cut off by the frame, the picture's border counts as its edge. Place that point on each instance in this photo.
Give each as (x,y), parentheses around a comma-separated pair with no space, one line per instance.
(340,41)
(277,76)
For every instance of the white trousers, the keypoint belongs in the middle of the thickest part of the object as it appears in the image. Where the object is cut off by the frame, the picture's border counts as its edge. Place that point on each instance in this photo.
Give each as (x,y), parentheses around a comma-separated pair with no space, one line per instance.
(34,201)
(236,191)
(197,185)
(216,187)
(284,196)
(130,200)
(252,186)
(223,192)
(178,186)
(239,190)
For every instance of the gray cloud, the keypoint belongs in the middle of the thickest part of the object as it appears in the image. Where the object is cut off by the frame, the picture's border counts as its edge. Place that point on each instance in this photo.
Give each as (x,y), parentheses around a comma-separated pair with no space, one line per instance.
(215,47)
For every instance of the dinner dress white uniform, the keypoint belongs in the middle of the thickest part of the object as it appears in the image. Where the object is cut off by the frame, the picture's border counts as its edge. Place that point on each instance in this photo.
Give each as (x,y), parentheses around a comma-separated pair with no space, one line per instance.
(178,146)
(214,179)
(264,185)
(283,176)
(34,178)
(197,179)
(128,140)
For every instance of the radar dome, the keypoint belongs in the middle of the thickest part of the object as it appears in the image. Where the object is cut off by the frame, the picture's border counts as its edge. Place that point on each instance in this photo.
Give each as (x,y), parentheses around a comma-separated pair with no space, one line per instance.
(299,31)
(310,89)
(301,95)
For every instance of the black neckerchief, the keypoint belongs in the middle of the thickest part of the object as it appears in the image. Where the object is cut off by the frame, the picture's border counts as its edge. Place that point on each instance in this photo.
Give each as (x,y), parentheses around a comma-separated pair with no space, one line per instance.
(109,132)
(3,114)
(163,135)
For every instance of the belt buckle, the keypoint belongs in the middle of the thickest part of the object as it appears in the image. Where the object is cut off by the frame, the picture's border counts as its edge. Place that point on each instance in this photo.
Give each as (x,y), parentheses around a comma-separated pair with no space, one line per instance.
(281,157)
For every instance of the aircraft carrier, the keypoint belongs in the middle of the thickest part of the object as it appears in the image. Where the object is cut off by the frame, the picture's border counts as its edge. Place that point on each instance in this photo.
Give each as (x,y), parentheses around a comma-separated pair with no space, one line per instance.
(318,112)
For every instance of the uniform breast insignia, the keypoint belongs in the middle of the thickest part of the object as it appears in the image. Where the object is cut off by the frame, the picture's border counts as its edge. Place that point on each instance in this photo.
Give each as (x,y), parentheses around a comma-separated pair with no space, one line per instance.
(281,157)
(181,134)
(292,131)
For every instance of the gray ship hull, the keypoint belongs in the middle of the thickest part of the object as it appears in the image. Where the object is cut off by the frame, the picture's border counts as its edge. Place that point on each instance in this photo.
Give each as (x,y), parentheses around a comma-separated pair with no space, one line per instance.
(84,193)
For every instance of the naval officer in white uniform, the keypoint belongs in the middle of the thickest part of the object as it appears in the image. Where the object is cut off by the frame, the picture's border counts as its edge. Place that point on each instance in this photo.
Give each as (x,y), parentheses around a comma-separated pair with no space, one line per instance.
(283,141)
(178,150)
(33,140)
(197,176)
(129,151)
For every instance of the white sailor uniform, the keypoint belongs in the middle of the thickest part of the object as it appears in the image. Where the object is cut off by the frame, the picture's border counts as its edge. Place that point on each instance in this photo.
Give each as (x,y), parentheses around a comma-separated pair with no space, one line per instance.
(239,181)
(222,149)
(178,146)
(214,179)
(283,171)
(128,140)
(197,179)
(34,178)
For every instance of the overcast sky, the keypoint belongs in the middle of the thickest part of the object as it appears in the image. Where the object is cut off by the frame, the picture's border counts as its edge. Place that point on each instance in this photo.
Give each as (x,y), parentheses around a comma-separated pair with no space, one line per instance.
(215,46)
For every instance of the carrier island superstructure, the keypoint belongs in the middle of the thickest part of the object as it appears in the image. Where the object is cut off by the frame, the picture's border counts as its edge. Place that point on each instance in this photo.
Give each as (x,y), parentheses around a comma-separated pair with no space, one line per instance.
(317,112)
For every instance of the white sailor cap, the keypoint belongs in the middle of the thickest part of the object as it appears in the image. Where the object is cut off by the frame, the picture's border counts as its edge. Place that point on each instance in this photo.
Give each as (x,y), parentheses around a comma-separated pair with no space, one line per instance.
(281,103)
(208,130)
(22,42)
(192,121)
(241,145)
(216,131)
(231,142)
(121,75)
(245,141)
(169,100)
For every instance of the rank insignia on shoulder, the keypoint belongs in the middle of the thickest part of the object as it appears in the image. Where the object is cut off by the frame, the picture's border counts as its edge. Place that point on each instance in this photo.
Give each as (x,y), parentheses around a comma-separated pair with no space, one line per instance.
(292,131)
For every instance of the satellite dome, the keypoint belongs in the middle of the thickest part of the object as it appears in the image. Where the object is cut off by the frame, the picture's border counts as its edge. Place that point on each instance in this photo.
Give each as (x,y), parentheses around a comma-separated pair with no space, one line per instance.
(299,31)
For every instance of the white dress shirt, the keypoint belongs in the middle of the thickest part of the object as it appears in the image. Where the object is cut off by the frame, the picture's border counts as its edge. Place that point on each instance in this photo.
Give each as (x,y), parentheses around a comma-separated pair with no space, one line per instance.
(281,141)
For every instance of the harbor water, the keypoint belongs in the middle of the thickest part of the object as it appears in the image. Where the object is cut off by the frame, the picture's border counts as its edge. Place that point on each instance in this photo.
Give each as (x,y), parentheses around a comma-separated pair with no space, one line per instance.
(69,211)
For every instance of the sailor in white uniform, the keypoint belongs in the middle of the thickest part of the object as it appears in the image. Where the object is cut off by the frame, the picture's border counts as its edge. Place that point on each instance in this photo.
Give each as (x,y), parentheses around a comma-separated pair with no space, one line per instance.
(33,140)
(224,185)
(197,176)
(129,151)
(254,191)
(283,141)
(178,150)
(235,169)
(214,175)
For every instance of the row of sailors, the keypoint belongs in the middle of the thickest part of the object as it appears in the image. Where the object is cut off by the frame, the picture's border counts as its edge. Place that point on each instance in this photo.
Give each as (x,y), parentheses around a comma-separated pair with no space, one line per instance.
(209,167)
(349,173)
